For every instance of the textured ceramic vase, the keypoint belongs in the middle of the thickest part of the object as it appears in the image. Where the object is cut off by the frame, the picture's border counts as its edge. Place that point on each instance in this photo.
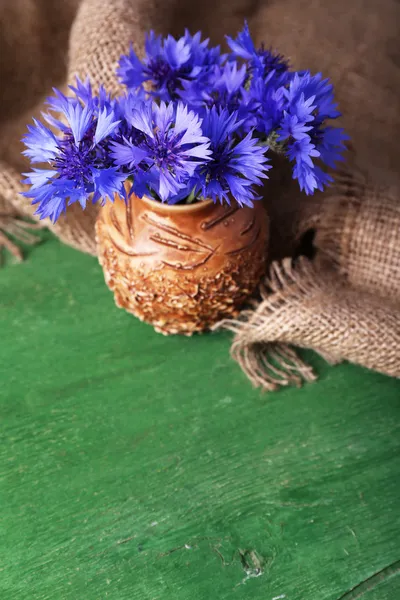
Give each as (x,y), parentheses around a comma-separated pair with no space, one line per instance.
(181,268)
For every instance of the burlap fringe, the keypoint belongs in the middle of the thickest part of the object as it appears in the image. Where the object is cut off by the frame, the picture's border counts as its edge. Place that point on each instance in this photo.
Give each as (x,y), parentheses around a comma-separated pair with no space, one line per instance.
(302,306)
(15,231)
(270,365)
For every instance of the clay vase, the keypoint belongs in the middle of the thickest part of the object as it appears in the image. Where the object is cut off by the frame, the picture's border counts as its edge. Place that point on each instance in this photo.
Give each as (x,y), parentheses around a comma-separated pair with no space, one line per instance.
(181,268)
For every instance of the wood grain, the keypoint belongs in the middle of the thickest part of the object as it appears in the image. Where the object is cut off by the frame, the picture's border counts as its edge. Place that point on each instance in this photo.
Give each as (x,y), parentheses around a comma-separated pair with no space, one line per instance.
(135,466)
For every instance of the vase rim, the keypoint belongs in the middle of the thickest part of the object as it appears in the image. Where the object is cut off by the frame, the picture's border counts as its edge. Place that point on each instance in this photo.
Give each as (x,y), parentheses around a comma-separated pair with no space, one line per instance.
(175,208)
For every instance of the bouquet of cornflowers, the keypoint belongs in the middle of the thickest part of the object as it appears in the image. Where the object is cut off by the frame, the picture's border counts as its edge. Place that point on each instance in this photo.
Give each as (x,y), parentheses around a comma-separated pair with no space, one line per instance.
(193,124)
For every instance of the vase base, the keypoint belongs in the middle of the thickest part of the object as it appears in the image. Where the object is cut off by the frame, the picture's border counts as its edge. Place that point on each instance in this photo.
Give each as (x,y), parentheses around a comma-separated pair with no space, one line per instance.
(178,314)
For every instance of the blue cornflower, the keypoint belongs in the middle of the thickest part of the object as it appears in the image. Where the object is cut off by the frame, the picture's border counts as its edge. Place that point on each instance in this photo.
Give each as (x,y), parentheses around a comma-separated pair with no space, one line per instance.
(260,60)
(271,61)
(330,142)
(228,90)
(202,56)
(292,126)
(42,193)
(41,143)
(309,176)
(268,95)
(308,102)
(78,160)
(206,136)
(83,92)
(299,112)
(223,87)
(243,46)
(83,99)
(167,64)
(166,143)
(236,165)
(230,77)
(304,86)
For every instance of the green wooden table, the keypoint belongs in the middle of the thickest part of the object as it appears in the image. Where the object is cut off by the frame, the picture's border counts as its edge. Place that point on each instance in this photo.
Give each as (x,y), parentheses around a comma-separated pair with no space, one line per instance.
(136,466)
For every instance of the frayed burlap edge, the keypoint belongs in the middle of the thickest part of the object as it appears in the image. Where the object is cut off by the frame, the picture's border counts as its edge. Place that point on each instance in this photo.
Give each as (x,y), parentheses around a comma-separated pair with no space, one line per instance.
(305,307)
(14,228)
(270,365)
(15,231)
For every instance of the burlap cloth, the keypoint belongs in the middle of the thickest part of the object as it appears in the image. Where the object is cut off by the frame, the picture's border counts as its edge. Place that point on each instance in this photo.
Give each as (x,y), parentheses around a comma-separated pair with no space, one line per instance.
(345,302)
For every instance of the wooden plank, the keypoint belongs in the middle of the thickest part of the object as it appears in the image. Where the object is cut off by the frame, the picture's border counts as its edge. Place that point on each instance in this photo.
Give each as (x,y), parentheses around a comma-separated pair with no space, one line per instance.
(136,466)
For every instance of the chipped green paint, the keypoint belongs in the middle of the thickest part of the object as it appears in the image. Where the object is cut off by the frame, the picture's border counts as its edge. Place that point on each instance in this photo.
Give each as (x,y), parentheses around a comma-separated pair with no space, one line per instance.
(136,466)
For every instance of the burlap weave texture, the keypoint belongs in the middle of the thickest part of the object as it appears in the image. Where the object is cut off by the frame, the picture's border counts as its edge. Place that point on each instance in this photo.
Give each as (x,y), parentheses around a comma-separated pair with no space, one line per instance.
(355,224)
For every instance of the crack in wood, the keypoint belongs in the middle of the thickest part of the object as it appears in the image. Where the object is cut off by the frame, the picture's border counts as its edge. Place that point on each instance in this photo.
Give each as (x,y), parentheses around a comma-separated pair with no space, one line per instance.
(126,540)
(368,584)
